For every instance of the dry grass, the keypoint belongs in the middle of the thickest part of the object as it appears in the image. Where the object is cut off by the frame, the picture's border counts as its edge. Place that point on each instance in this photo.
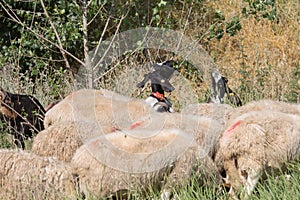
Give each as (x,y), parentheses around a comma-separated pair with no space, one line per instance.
(263,57)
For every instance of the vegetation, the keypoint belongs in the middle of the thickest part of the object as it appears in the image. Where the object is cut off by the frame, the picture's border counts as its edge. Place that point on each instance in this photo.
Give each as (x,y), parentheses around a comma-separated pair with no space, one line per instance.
(254,43)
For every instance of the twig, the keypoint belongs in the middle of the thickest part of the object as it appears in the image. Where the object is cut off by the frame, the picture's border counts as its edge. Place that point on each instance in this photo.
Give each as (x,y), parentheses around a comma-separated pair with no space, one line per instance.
(108,48)
(96,14)
(87,58)
(18,21)
(185,25)
(100,39)
(58,40)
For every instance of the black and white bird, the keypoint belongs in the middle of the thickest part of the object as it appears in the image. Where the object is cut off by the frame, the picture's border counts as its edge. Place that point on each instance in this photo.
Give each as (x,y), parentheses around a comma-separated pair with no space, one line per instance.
(220,88)
(159,76)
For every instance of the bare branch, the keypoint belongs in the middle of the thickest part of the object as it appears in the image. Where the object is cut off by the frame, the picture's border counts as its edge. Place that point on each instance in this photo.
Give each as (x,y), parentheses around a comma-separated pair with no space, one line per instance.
(101,38)
(185,25)
(96,14)
(111,42)
(58,40)
(87,58)
(18,21)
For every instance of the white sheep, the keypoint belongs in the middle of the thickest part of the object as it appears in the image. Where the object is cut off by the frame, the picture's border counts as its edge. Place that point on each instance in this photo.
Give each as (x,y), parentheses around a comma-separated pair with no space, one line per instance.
(261,105)
(62,139)
(216,111)
(206,130)
(255,143)
(102,106)
(83,114)
(265,104)
(139,160)
(26,176)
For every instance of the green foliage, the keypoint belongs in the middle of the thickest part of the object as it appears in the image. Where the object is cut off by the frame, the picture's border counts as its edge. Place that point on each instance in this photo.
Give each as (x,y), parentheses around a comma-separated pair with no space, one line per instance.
(233,26)
(261,8)
(6,140)
(222,25)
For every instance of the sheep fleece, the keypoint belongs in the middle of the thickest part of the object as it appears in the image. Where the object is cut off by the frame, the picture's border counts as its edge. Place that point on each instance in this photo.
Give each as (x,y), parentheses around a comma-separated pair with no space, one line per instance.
(139,164)
(258,142)
(26,176)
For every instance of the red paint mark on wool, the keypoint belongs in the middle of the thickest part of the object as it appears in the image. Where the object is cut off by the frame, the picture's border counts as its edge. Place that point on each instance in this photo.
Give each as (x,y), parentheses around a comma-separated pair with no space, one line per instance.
(133,126)
(231,128)
(70,96)
(95,142)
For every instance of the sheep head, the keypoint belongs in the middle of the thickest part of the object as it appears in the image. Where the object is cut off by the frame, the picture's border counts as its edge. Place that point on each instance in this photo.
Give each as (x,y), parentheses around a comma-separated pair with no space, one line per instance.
(242,174)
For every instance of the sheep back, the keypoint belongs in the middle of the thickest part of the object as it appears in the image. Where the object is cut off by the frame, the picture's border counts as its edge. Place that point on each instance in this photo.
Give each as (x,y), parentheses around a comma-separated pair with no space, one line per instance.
(204,129)
(63,139)
(258,142)
(130,160)
(216,111)
(100,106)
(26,176)
(265,104)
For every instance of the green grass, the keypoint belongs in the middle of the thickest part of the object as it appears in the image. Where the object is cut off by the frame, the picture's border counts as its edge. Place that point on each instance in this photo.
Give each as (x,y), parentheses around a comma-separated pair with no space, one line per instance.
(283,186)
(6,140)
(286,185)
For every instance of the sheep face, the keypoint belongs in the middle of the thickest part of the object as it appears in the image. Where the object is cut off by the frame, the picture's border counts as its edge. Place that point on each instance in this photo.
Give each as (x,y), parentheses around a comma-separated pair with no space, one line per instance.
(255,144)
(240,177)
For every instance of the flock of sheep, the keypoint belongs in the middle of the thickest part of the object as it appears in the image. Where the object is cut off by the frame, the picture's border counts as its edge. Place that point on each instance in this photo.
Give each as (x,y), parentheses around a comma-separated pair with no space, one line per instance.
(99,143)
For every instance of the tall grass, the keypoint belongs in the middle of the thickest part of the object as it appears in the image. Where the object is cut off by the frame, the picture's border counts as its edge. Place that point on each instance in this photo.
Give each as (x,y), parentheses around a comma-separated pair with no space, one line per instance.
(261,61)
(280,186)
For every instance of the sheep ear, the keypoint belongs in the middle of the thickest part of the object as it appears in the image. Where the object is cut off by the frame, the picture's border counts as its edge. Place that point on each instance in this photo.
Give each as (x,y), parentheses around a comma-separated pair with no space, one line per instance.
(3,94)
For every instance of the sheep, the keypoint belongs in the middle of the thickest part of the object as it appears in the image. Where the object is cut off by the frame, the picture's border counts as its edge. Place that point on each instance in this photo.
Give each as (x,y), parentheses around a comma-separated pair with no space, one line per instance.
(24,175)
(265,104)
(64,138)
(255,144)
(23,113)
(102,106)
(205,129)
(51,105)
(139,159)
(261,105)
(68,131)
(82,114)
(218,112)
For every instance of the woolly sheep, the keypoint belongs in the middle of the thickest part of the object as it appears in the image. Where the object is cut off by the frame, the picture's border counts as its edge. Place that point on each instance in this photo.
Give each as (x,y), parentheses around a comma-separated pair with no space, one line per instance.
(206,130)
(215,111)
(256,143)
(102,106)
(264,104)
(261,105)
(26,176)
(138,159)
(64,138)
